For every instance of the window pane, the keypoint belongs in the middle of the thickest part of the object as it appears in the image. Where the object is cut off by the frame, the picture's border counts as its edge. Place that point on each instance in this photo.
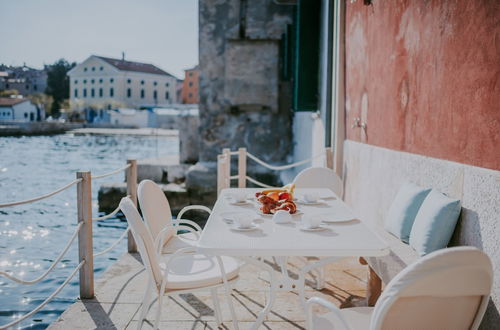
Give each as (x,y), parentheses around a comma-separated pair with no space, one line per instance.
(129,92)
(142,93)
(111,92)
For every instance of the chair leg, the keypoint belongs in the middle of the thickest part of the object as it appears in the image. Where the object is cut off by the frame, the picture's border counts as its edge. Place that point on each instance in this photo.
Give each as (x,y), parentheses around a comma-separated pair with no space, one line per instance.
(374,287)
(217,311)
(158,312)
(144,306)
(320,278)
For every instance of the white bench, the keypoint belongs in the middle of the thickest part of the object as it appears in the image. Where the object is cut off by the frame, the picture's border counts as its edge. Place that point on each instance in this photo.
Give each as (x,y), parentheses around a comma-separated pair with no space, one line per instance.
(383,269)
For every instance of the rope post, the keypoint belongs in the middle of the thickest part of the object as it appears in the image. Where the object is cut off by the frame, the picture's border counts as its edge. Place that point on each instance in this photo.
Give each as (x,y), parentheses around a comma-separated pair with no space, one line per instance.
(85,248)
(227,173)
(329,157)
(220,173)
(242,167)
(131,178)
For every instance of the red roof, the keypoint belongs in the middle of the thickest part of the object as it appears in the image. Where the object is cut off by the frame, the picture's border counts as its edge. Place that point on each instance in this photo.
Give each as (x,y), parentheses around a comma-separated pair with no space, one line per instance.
(10,101)
(134,66)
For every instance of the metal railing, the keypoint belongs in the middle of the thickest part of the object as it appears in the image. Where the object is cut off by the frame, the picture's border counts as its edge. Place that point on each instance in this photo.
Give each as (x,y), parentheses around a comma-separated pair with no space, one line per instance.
(83,231)
(224,176)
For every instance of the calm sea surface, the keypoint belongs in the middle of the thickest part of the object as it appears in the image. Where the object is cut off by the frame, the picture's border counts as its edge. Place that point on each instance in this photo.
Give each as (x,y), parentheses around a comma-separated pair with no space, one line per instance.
(32,235)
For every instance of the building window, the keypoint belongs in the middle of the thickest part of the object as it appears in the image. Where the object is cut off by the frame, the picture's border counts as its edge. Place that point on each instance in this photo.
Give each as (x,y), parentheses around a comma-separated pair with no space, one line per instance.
(190,84)
(142,82)
(155,83)
(129,92)
(27,86)
(166,85)
(155,95)
(167,95)
(84,92)
(111,80)
(100,81)
(190,74)
(92,81)
(25,115)
(35,87)
(142,93)
(85,69)
(129,81)
(85,81)
(7,86)
(111,92)
(76,81)
(93,68)
(92,92)
(100,92)
(101,68)
(76,92)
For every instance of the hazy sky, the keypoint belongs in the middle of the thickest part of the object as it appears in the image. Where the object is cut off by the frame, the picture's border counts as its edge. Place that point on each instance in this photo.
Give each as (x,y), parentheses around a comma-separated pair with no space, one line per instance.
(162,32)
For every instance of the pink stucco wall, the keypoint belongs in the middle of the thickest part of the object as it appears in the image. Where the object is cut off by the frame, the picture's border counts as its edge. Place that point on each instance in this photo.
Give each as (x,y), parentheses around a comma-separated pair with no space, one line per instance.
(424,76)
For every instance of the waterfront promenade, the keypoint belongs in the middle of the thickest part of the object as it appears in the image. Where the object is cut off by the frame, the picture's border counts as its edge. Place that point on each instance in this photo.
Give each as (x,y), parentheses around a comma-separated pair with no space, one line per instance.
(120,289)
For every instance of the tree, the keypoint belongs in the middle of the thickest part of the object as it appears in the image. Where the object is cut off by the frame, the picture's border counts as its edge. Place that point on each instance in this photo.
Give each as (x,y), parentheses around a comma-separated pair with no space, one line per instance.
(41,99)
(58,83)
(9,93)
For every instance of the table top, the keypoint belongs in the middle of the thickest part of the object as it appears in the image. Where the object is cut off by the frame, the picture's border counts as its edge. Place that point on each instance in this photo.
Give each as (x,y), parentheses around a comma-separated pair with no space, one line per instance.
(350,238)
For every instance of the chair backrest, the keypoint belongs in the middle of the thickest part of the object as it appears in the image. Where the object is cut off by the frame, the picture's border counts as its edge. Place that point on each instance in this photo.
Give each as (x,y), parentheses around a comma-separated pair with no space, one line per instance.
(155,209)
(143,239)
(447,289)
(320,177)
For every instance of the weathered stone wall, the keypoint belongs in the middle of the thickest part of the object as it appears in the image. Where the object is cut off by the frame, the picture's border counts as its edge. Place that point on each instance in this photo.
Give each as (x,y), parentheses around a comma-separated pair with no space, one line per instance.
(243,102)
(373,175)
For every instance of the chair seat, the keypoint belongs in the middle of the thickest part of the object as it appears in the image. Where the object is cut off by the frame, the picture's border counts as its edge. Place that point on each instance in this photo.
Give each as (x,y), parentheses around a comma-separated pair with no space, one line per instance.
(198,270)
(179,241)
(358,318)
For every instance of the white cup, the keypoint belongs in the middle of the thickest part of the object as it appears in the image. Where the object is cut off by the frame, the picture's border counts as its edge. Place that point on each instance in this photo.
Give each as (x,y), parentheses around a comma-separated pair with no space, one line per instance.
(311,197)
(282,216)
(244,220)
(313,221)
(239,196)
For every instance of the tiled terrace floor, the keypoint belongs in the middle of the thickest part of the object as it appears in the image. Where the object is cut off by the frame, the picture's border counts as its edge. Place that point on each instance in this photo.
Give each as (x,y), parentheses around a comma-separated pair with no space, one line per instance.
(119,293)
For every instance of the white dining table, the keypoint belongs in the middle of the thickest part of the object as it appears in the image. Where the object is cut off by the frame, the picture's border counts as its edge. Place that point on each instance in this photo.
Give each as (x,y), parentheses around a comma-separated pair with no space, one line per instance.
(344,236)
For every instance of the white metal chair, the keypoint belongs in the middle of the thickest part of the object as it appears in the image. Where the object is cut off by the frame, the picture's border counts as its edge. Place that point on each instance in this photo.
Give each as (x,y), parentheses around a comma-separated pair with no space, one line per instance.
(447,289)
(320,177)
(181,272)
(156,211)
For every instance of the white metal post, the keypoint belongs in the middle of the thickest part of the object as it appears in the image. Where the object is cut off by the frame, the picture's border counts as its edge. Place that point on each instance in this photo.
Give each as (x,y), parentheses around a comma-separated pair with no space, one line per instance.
(242,168)
(131,178)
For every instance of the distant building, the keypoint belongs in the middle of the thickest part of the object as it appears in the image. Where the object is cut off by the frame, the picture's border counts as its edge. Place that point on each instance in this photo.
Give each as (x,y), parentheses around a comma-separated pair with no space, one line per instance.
(190,86)
(24,79)
(107,83)
(17,109)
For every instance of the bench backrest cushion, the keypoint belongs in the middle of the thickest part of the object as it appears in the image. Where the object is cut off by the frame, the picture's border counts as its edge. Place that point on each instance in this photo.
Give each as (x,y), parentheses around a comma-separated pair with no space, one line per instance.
(404,209)
(435,223)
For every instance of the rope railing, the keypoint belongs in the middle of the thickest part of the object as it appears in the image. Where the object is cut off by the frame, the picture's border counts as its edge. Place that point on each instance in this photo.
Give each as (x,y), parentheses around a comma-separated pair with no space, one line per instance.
(54,264)
(95,177)
(35,199)
(110,215)
(258,183)
(112,246)
(283,167)
(46,301)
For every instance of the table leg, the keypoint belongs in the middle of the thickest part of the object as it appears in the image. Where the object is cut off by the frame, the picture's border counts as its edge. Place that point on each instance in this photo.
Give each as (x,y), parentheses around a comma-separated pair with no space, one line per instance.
(227,291)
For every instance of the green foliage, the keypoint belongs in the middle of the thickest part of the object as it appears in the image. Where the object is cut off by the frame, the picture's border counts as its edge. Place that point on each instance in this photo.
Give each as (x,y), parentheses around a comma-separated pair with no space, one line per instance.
(58,83)
(8,92)
(42,99)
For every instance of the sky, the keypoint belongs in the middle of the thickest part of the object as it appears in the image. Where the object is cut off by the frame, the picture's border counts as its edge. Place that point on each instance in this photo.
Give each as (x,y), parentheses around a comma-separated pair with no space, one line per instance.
(161,32)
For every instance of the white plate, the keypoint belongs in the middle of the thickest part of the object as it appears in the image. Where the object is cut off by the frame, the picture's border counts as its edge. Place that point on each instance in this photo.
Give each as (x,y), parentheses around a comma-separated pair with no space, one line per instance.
(253,226)
(231,201)
(259,212)
(307,228)
(318,202)
(229,217)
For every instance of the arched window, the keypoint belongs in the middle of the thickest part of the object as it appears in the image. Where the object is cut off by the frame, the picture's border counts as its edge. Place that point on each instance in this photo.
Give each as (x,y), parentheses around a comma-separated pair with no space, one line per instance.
(142,82)
(167,95)
(76,92)
(92,81)
(84,92)
(129,81)
(111,92)
(142,93)
(129,92)
(100,92)
(155,95)
(92,92)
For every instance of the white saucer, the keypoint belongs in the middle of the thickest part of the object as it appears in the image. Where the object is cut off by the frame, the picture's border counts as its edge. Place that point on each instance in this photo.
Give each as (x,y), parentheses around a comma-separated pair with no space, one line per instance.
(259,212)
(229,216)
(307,228)
(318,202)
(338,216)
(253,226)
